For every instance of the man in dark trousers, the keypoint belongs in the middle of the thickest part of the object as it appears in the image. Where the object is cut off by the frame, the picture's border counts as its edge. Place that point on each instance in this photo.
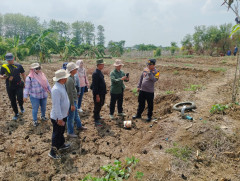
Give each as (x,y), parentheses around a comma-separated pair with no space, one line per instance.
(99,91)
(146,89)
(11,73)
(59,113)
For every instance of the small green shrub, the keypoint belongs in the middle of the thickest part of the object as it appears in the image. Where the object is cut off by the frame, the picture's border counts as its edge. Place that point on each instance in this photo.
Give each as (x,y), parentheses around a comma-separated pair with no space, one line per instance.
(117,171)
(157,52)
(218,108)
(139,175)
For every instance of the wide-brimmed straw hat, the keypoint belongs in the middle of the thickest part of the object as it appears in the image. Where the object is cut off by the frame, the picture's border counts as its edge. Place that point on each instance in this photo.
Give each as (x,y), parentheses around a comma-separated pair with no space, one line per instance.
(71,66)
(118,62)
(60,74)
(34,65)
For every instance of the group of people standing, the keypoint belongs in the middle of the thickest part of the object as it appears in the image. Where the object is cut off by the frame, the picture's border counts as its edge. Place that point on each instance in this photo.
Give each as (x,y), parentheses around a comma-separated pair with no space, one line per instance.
(70,84)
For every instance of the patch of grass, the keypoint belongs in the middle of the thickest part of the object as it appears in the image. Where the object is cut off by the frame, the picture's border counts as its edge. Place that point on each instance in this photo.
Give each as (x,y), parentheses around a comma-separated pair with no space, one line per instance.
(169,92)
(184,56)
(109,61)
(188,65)
(224,61)
(182,153)
(204,121)
(176,72)
(193,87)
(218,69)
(217,127)
(218,108)
(132,60)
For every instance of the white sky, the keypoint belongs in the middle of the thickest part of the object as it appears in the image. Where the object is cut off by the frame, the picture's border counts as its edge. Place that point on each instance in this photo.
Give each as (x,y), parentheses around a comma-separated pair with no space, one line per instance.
(157,22)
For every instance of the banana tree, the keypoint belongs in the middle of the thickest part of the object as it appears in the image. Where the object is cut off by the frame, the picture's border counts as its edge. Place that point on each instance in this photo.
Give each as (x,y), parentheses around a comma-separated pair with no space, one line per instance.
(13,45)
(41,45)
(66,49)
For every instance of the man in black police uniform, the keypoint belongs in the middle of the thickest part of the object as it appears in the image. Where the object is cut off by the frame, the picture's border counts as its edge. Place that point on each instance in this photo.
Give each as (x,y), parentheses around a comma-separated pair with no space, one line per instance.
(11,73)
(99,91)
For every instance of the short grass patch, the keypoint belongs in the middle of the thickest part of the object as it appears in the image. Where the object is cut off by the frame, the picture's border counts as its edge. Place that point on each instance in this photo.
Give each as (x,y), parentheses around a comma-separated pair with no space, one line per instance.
(193,87)
(218,69)
(182,153)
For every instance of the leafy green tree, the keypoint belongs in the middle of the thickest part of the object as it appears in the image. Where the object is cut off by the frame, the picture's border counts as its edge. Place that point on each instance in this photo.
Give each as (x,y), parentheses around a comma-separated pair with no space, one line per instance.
(77,28)
(199,38)
(100,35)
(157,52)
(1,24)
(13,45)
(88,32)
(173,48)
(66,49)
(41,45)
(20,25)
(3,48)
(187,44)
(116,48)
(59,27)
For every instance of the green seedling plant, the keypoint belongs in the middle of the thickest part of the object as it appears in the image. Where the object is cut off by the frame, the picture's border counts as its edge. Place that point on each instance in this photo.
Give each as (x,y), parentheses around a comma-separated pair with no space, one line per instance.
(218,108)
(139,175)
(193,87)
(182,153)
(118,171)
(169,92)
(135,91)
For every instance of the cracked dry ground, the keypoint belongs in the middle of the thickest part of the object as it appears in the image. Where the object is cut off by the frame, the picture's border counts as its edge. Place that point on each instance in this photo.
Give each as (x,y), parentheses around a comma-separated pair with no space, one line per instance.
(24,148)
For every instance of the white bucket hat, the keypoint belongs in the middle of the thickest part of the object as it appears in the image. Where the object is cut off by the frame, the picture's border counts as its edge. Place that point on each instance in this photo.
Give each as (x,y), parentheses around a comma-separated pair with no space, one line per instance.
(118,62)
(71,66)
(60,74)
(34,65)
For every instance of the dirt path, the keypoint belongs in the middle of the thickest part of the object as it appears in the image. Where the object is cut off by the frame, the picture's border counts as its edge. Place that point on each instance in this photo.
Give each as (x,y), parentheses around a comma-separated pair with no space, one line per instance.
(211,93)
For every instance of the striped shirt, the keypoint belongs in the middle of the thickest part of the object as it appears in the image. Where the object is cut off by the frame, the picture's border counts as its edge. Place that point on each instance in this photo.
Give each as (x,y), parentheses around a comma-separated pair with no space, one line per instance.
(34,89)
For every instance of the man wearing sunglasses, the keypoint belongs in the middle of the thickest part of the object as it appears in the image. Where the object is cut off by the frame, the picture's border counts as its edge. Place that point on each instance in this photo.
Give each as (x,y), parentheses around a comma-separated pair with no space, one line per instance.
(12,73)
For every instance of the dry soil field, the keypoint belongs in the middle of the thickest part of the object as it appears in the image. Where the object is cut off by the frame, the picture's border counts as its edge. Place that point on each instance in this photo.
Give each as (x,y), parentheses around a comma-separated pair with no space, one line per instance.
(167,148)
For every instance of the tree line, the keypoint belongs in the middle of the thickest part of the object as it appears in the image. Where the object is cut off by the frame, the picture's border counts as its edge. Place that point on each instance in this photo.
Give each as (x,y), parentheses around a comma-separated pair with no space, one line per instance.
(26,36)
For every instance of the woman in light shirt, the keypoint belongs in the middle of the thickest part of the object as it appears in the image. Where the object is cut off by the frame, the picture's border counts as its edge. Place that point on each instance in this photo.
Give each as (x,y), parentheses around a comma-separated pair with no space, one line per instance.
(83,80)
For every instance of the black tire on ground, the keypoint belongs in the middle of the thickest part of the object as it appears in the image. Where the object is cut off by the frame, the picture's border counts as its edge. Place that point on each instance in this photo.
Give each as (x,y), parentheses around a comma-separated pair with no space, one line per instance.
(189,106)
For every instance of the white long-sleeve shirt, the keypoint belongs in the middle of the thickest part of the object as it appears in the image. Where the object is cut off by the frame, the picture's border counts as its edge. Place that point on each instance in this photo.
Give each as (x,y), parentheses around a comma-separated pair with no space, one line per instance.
(60,102)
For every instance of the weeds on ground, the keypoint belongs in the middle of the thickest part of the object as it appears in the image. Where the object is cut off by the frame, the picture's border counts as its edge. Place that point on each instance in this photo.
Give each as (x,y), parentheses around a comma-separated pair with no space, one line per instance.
(180,152)
(169,92)
(218,69)
(132,60)
(135,92)
(224,61)
(117,171)
(219,108)
(176,72)
(193,87)
(188,65)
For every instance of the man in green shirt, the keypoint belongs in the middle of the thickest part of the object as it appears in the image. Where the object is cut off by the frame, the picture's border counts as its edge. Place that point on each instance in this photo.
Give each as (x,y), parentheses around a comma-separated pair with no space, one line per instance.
(117,87)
